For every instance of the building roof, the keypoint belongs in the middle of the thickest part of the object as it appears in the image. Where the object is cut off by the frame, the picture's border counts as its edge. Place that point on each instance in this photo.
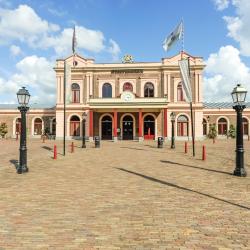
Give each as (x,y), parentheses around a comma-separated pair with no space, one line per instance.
(32,106)
(221,105)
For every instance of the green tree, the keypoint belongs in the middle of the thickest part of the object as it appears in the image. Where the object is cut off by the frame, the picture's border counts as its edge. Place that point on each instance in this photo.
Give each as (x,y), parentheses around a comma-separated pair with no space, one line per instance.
(212,131)
(232,131)
(3,129)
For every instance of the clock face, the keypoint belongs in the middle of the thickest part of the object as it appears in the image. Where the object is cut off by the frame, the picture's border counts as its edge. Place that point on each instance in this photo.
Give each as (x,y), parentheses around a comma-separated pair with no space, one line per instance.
(127,97)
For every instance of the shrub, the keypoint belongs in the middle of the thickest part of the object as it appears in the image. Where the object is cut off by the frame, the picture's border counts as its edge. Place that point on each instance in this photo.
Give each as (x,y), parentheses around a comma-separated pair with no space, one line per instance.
(212,131)
(232,131)
(3,129)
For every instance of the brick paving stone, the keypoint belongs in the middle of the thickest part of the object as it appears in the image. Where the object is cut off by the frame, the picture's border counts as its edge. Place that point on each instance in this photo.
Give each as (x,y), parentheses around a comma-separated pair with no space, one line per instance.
(125,195)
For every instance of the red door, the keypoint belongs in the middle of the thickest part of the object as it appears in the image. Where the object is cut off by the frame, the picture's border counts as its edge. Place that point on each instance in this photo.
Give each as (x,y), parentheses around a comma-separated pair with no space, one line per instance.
(75,128)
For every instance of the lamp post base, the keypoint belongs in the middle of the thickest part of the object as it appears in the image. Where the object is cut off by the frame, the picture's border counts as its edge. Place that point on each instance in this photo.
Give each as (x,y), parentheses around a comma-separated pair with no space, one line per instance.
(22,169)
(240,172)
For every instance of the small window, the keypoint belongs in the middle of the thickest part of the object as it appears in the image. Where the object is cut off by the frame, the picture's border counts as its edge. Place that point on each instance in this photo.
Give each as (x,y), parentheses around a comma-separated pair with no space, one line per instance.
(149,90)
(107,90)
(128,87)
(180,96)
(75,88)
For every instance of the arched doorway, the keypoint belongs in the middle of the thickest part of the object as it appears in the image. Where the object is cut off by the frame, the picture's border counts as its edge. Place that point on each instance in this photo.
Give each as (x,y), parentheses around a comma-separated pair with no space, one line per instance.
(38,125)
(222,126)
(74,126)
(149,127)
(245,126)
(18,126)
(106,128)
(127,127)
(54,126)
(182,126)
(204,124)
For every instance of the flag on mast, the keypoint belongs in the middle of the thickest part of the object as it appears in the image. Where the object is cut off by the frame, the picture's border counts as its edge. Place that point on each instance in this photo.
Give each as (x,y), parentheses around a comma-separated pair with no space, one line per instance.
(74,41)
(67,73)
(184,67)
(173,37)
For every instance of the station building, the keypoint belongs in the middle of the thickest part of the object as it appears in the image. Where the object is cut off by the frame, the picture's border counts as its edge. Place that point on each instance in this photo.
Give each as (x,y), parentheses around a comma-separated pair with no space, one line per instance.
(126,101)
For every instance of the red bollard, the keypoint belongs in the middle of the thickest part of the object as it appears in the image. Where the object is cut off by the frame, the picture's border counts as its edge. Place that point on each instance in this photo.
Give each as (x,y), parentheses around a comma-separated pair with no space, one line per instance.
(72,147)
(186,149)
(213,141)
(203,153)
(55,152)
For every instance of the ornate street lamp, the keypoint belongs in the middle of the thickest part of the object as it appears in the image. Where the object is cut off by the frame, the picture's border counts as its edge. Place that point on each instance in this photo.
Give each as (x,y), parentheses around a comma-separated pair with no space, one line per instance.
(172,116)
(84,115)
(23,98)
(239,95)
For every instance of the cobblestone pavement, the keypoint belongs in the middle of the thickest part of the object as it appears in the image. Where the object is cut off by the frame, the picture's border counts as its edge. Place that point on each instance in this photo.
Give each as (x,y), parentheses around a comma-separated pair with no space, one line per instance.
(125,195)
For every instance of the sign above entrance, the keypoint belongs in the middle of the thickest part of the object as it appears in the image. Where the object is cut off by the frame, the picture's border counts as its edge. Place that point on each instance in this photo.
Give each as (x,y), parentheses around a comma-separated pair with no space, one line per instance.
(127,71)
(127,96)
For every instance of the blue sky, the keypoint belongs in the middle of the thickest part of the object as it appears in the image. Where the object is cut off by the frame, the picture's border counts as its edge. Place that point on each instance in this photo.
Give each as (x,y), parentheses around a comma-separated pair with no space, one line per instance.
(33,34)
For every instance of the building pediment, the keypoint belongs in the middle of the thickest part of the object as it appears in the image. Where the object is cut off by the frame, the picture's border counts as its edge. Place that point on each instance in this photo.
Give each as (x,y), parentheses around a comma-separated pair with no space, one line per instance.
(76,61)
(193,60)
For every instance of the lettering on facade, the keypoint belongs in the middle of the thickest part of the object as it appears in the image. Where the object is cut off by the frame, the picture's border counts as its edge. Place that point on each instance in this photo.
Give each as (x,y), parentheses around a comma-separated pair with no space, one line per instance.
(127,71)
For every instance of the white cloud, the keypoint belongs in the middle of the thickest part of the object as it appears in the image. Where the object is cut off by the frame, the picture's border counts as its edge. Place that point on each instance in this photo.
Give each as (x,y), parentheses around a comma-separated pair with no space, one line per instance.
(23,24)
(34,72)
(221,4)
(114,49)
(238,26)
(15,50)
(224,69)
(91,40)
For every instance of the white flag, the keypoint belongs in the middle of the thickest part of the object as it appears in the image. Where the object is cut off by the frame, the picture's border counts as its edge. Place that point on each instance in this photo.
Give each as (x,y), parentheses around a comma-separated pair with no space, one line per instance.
(184,67)
(67,72)
(173,37)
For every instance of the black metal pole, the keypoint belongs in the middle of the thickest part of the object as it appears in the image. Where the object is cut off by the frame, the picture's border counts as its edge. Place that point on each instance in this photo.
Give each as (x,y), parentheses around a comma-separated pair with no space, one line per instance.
(64,109)
(83,134)
(192,127)
(172,138)
(22,167)
(239,169)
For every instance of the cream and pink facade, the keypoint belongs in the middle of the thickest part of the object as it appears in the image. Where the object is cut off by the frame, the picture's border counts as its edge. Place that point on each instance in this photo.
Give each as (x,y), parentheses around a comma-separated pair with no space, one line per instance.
(126,101)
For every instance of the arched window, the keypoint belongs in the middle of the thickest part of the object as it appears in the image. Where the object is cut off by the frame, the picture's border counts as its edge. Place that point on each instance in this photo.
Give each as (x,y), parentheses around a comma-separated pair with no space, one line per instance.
(222,126)
(74,126)
(75,88)
(149,90)
(245,126)
(204,124)
(180,96)
(38,126)
(182,126)
(106,90)
(128,87)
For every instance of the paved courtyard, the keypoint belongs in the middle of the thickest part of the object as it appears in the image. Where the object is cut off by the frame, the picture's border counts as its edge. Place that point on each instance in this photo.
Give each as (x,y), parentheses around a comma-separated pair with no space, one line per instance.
(125,195)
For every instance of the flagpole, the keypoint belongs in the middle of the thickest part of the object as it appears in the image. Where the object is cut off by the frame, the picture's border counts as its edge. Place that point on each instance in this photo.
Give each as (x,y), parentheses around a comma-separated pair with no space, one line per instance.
(182,36)
(192,117)
(64,108)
